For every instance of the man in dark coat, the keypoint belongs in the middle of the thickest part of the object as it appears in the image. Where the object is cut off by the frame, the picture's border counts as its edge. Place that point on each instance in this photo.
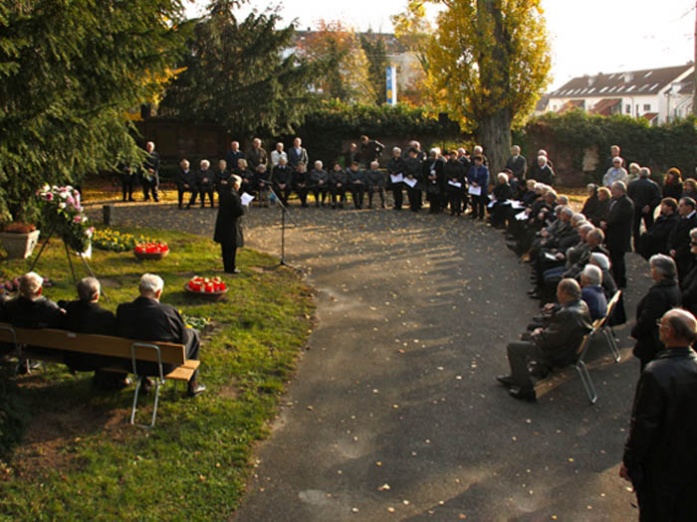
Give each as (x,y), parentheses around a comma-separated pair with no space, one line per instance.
(297,154)
(30,309)
(282,180)
(147,319)
(646,195)
(553,345)
(228,230)
(186,182)
(86,316)
(151,173)
(679,239)
(371,150)
(234,154)
(659,457)
(655,239)
(517,164)
(661,297)
(618,230)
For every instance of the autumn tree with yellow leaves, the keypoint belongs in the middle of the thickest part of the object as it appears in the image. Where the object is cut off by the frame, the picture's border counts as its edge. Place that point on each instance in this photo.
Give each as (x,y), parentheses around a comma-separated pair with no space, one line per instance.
(486,62)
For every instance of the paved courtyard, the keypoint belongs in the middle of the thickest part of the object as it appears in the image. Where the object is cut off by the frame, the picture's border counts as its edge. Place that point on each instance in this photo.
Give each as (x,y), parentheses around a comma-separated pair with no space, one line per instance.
(394,413)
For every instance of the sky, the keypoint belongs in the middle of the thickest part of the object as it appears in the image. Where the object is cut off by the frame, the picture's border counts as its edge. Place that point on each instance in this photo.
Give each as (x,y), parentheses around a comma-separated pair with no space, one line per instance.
(586,37)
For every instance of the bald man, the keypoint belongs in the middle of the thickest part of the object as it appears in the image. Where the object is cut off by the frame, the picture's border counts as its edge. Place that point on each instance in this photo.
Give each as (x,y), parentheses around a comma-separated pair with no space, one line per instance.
(659,456)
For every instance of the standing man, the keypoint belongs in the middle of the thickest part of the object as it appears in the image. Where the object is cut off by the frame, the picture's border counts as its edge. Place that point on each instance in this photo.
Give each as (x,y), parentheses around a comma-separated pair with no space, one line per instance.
(517,164)
(234,154)
(257,155)
(297,154)
(151,169)
(679,238)
(278,154)
(228,230)
(371,150)
(659,456)
(618,230)
(646,196)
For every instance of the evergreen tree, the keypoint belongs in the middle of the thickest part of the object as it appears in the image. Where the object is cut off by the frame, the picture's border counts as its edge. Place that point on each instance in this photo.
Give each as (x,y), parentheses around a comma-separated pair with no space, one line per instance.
(240,75)
(70,71)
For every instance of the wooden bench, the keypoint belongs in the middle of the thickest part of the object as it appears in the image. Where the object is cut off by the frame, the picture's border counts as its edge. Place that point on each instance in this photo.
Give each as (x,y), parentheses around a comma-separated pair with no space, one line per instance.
(160,353)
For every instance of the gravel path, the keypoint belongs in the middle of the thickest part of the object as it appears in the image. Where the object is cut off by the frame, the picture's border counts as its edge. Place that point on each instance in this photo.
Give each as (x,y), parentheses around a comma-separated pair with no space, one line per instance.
(394,413)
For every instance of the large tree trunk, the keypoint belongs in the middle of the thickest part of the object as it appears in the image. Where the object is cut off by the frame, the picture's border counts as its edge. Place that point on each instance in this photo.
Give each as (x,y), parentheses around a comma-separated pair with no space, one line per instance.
(494,134)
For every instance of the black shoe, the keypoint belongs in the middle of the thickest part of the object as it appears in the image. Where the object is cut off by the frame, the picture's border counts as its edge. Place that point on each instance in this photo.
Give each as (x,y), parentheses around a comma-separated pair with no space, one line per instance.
(506,380)
(523,394)
(195,389)
(535,295)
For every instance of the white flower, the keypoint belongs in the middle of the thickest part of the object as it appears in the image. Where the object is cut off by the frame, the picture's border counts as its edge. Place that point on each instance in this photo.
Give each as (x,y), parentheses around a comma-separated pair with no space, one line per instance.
(61,205)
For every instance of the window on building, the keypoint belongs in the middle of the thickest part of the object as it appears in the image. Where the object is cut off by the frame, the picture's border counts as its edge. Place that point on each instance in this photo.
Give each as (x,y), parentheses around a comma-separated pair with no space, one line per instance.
(628,109)
(647,107)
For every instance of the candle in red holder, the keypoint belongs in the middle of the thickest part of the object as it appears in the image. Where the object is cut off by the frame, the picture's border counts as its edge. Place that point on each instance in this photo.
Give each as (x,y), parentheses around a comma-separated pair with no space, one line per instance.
(195,285)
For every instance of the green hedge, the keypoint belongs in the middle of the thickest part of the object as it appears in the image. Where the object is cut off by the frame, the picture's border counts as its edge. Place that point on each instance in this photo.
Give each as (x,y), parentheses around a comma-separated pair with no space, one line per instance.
(657,147)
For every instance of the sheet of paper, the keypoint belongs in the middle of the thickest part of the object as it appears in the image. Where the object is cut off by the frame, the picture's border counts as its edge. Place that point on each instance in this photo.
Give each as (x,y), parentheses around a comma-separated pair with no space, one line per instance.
(521,216)
(246,199)
(551,257)
(396,178)
(454,183)
(515,203)
(411,182)
(475,191)
(491,204)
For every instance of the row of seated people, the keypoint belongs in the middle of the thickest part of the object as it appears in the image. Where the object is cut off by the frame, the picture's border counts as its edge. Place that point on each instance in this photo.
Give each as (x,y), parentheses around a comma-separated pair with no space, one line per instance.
(326,186)
(144,319)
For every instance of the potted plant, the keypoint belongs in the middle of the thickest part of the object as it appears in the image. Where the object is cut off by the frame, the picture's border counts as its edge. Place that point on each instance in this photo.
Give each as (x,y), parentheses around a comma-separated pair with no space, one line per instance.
(19,239)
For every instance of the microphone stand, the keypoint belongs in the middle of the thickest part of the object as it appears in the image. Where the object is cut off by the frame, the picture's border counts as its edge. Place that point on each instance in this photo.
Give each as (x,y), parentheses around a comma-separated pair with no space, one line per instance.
(284,211)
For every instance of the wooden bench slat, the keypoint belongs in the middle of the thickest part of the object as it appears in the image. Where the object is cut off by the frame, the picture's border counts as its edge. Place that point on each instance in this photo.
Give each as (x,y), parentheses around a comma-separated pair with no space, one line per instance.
(95,344)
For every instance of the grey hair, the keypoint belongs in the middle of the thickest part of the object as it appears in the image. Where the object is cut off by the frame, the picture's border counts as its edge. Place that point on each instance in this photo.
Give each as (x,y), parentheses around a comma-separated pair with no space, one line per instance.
(593,275)
(682,323)
(664,265)
(30,284)
(502,175)
(644,172)
(88,288)
(150,284)
(601,260)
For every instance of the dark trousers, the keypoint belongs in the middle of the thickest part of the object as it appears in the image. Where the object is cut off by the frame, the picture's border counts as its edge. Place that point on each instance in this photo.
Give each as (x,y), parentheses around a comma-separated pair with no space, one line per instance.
(150,187)
(636,225)
(379,191)
(283,193)
(414,196)
(127,188)
(229,250)
(619,268)
(320,195)
(479,206)
(398,195)
(659,501)
(338,194)
(358,194)
(519,354)
(207,191)
(180,196)
(302,195)
(455,201)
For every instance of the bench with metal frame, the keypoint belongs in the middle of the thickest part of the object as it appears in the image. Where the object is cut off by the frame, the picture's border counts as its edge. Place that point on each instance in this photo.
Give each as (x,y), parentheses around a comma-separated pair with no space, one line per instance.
(160,353)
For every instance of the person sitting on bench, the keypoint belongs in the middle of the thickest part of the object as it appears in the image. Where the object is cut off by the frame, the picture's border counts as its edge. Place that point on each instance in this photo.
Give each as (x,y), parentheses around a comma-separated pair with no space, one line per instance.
(30,309)
(84,315)
(146,319)
(554,345)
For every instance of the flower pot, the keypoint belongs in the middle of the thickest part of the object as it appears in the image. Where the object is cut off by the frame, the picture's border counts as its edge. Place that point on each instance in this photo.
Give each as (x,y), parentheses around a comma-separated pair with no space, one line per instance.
(19,246)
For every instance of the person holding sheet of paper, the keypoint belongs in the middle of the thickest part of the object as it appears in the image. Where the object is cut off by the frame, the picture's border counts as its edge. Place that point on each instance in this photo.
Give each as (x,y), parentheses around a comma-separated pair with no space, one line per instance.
(396,168)
(503,193)
(478,178)
(412,180)
(228,225)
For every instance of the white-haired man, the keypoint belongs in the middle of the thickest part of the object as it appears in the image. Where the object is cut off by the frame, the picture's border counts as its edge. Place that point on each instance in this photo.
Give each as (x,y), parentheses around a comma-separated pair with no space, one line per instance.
(147,319)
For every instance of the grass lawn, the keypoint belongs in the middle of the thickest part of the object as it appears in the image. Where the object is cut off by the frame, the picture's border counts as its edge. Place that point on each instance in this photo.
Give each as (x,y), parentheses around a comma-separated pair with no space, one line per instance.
(81,460)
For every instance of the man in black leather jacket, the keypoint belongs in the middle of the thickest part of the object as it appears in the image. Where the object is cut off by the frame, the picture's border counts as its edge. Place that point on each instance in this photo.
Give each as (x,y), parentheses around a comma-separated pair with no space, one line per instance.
(554,345)
(659,456)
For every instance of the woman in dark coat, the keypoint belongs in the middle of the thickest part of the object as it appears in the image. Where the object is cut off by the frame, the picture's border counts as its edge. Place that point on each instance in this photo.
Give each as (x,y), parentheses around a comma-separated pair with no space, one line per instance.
(228,229)
(689,283)
(672,184)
